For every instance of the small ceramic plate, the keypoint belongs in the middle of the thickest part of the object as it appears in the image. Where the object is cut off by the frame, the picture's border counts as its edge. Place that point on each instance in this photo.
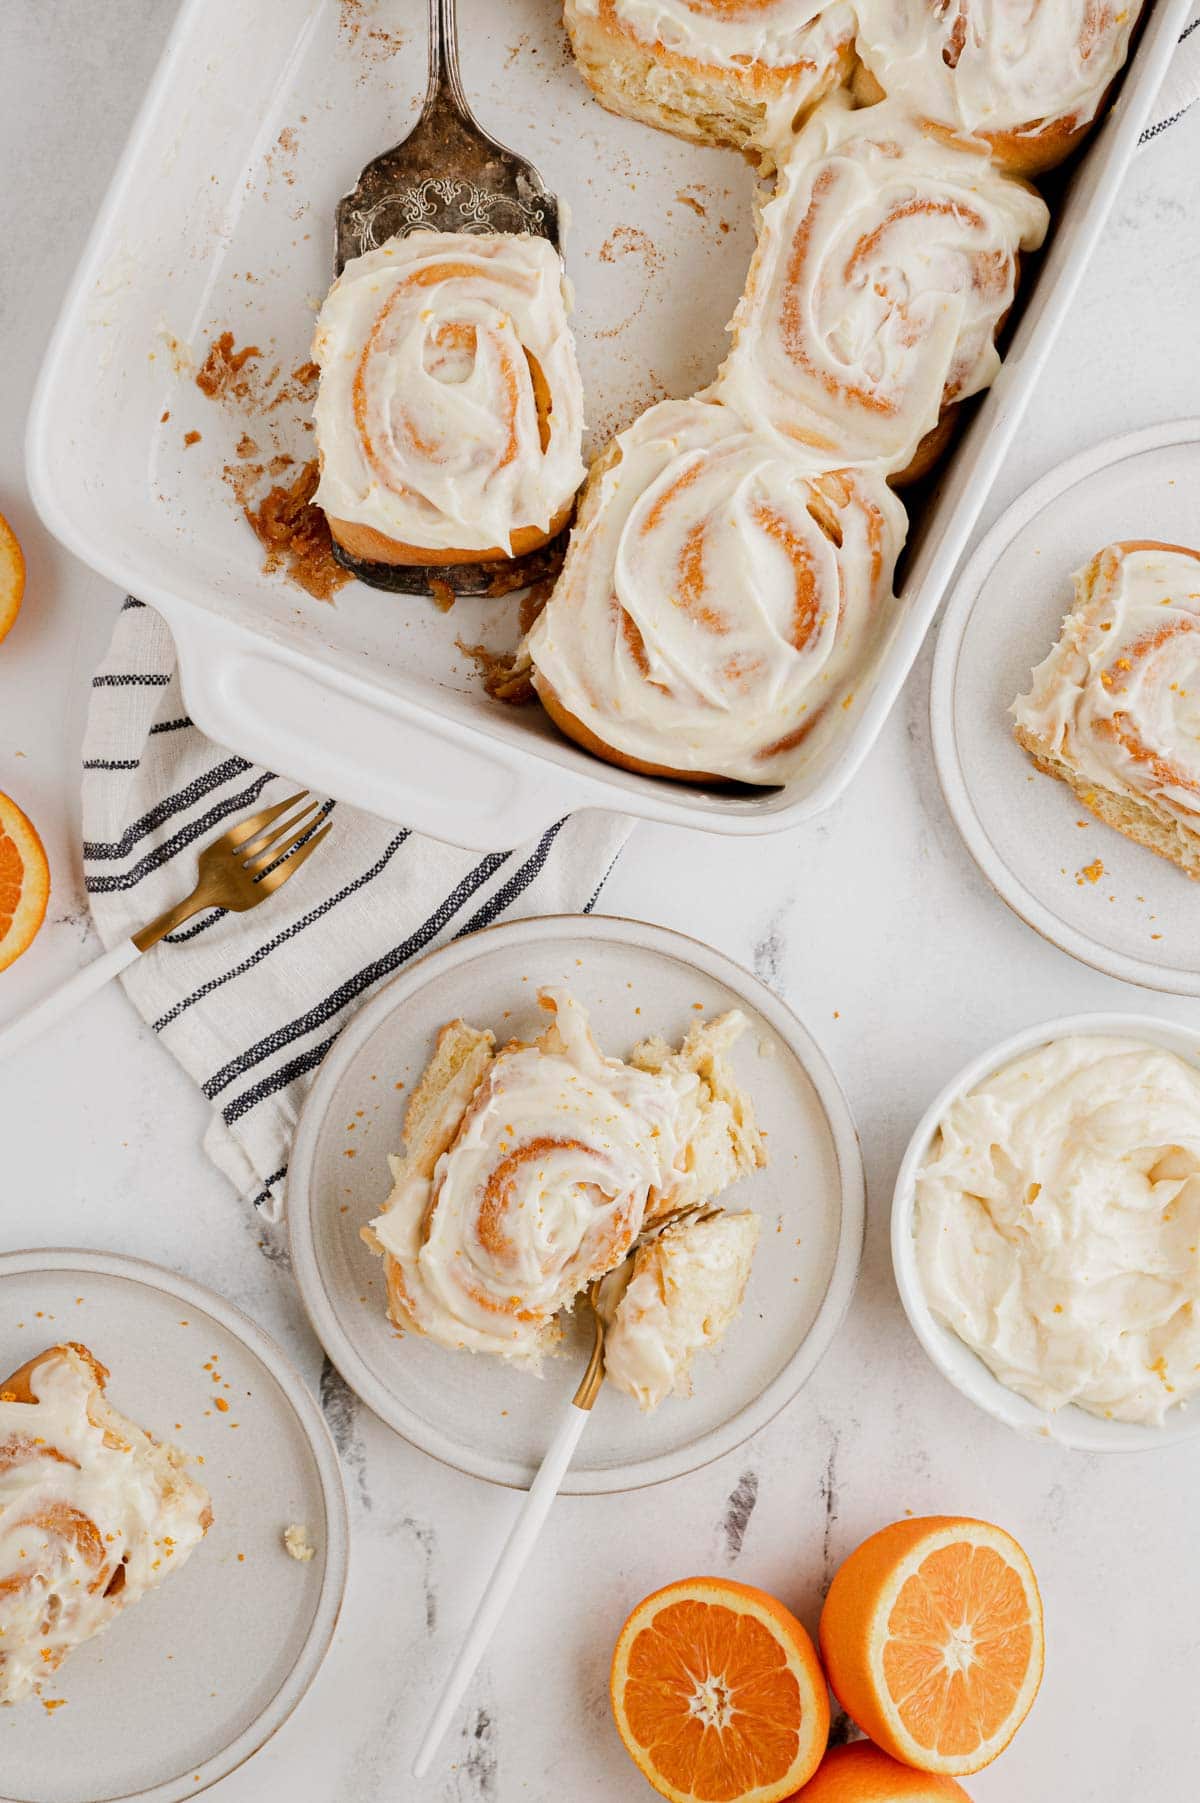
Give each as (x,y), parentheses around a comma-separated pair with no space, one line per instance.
(480,1414)
(1091,891)
(1070,1426)
(193,1679)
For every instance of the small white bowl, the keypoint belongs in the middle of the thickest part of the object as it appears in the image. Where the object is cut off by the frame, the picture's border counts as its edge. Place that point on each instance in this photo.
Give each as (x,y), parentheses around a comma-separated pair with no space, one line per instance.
(955,1360)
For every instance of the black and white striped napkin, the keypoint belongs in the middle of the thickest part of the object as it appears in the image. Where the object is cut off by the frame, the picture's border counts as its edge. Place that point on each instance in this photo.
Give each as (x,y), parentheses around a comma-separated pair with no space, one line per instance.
(250,1003)
(1180,85)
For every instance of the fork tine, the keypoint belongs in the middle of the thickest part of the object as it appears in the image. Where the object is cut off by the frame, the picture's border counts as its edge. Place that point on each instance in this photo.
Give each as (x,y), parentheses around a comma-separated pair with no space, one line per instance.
(280,874)
(277,846)
(258,823)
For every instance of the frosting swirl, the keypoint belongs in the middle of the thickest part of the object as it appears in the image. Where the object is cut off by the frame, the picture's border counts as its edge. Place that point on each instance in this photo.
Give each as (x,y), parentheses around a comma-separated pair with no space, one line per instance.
(92,1514)
(885,263)
(719,595)
(544,1186)
(449,415)
(1029,75)
(1057,1221)
(1118,697)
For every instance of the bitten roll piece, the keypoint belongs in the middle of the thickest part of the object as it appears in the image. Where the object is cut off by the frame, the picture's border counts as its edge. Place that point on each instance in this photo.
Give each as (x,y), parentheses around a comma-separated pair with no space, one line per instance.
(719,596)
(1028,80)
(449,416)
(886,262)
(530,1172)
(677,1295)
(93,1513)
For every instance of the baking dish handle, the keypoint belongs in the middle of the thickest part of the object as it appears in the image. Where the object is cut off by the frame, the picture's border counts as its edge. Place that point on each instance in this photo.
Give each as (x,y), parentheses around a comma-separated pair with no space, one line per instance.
(331,733)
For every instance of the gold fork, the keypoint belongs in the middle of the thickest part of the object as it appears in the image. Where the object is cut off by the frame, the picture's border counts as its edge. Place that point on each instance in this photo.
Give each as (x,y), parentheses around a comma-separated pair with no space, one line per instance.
(243,867)
(545,1487)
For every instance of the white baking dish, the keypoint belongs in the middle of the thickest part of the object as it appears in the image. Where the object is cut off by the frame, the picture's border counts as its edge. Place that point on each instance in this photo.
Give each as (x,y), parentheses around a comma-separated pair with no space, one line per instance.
(258,119)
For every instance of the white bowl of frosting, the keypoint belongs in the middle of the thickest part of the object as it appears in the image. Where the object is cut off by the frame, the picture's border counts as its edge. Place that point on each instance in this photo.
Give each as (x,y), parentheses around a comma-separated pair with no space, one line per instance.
(1046,1231)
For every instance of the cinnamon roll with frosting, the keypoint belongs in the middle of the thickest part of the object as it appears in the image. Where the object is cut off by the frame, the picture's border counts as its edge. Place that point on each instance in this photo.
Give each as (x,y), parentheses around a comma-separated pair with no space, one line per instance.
(720,596)
(1114,710)
(449,415)
(529,1172)
(886,262)
(1028,80)
(93,1513)
(740,72)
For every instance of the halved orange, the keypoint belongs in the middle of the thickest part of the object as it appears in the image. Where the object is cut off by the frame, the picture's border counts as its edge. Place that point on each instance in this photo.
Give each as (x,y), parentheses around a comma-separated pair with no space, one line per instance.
(932,1640)
(863,1773)
(718,1694)
(24,882)
(12,576)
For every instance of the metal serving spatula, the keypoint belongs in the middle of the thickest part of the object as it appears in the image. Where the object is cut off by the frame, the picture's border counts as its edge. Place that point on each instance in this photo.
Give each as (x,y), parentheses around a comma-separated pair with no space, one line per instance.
(447,175)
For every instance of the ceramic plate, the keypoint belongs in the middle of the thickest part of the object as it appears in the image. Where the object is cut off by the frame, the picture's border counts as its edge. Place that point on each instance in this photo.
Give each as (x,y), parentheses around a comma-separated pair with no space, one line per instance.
(195,1677)
(1070,1426)
(482,1415)
(1138,919)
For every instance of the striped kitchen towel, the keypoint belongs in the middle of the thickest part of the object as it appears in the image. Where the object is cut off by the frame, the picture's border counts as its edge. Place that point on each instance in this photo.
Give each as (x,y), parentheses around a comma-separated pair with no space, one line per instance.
(250,1003)
(1181,84)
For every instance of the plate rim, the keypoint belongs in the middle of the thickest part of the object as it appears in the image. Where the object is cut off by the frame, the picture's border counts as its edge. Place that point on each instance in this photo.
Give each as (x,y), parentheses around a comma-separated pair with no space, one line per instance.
(318,1640)
(839,1290)
(1071,1427)
(942,687)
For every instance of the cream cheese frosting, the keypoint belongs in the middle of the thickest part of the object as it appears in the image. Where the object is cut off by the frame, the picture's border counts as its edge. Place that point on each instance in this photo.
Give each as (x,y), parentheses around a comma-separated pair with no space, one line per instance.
(450,409)
(730,71)
(732,34)
(93,1513)
(885,262)
(545,1186)
(720,594)
(1118,697)
(679,1293)
(1057,1226)
(997,65)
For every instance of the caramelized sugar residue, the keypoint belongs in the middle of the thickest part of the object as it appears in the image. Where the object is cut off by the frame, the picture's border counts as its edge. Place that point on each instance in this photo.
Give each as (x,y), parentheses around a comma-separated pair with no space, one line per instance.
(295,535)
(271,488)
(221,374)
(507,675)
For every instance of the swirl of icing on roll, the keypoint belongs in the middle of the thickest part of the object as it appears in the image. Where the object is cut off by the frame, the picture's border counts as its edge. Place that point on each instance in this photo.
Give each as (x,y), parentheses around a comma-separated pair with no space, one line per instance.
(1000,68)
(1118,698)
(719,596)
(92,1514)
(885,262)
(450,411)
(544,1186)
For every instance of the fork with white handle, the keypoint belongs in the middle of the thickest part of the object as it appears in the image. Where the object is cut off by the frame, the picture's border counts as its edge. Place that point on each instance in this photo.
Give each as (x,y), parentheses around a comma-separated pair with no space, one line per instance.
(243,867)
(535,1508)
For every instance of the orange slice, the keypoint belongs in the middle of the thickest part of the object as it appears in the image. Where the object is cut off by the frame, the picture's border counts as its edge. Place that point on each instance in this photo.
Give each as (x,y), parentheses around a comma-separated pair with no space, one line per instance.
(718,1694)
(24,882)
(12,576)
(932,1640)
(862,1773)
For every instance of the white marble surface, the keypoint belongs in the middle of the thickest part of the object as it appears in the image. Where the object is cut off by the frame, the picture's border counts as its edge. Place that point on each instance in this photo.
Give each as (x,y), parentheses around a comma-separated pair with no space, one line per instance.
(874,924)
